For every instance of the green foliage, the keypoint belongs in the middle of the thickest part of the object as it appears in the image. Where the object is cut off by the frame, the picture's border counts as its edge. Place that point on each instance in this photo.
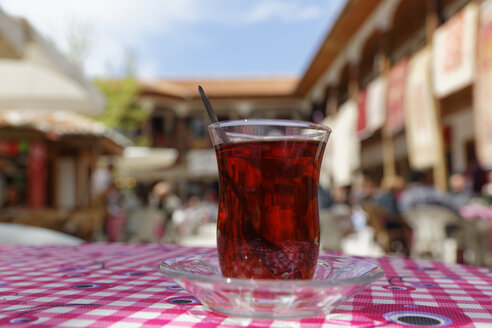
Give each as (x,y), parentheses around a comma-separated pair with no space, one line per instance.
(122,110)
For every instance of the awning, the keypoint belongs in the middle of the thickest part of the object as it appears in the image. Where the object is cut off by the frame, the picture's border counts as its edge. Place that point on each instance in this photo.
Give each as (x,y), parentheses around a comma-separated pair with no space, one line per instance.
(33,74)
(199,164)
(143,160)
(56,125)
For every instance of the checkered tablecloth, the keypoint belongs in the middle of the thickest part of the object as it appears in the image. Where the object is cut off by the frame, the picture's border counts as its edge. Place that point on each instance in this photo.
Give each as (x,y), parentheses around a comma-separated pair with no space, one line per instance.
(118,285)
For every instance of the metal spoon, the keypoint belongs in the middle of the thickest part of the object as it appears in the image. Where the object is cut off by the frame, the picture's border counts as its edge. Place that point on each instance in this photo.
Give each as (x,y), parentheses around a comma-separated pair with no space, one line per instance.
(211,113)
(208,106)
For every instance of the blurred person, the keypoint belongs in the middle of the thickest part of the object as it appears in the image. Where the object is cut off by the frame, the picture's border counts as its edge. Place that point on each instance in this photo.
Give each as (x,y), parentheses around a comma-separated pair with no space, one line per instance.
(115,221)
(419,192)
(385,196)
(391,190)
(325,199)
(211,203)
(340,199)
(101,181)
(478,177)
(459,191)
(357,189)
(487,188)
(145,223)
(380,207)
(356,194)
(167,201)
(341,208)
(334,218)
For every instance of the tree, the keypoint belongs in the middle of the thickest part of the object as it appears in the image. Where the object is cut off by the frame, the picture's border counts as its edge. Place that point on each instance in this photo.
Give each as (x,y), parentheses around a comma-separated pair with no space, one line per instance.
(123,112)
(78,43)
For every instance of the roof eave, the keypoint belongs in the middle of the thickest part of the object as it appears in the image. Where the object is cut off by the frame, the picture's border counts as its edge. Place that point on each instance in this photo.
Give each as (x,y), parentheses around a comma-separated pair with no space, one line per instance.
(352,17)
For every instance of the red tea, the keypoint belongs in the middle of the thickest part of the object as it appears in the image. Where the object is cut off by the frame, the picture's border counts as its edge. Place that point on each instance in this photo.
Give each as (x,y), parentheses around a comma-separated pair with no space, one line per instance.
(268,224)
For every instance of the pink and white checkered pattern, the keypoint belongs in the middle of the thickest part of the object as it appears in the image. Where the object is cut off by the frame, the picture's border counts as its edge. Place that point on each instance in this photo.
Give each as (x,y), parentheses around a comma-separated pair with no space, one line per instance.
(118,285)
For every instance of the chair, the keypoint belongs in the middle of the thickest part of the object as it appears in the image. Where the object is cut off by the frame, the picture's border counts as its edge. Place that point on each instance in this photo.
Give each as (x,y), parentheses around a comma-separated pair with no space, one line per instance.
(390,230)
(334,225)
(439,233)
(85,223)
(19,234)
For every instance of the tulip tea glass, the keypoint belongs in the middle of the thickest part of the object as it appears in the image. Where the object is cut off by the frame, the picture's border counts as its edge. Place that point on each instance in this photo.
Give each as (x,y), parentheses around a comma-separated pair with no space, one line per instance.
(268,221)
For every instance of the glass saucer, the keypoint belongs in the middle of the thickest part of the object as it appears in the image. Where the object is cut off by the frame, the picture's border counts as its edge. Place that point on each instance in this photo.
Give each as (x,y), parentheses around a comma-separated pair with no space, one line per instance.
(337,278)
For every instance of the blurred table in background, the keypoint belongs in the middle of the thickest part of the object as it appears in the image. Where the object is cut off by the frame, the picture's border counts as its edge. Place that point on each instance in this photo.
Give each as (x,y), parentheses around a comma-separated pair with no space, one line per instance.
(84,223)
(18,234)
(118,285)
(480,216)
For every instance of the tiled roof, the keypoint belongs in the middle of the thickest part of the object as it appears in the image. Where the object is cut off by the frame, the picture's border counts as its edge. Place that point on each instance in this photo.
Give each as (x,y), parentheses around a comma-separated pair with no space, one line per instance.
(59,123)
(223,88)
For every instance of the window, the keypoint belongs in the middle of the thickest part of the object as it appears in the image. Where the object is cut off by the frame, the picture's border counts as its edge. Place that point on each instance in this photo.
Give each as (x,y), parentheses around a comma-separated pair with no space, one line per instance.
(158,131)
(197,127)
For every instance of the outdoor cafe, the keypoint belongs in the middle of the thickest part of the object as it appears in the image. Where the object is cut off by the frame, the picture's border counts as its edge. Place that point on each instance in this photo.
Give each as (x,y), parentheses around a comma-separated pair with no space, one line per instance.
(276,256)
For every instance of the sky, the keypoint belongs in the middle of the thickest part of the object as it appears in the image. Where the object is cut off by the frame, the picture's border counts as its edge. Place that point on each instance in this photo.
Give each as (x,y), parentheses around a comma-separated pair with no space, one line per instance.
(184,38)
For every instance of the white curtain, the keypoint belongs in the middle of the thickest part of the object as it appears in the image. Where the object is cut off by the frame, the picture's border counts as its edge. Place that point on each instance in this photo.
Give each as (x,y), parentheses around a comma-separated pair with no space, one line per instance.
(342,155)
(376,103)
(420,113)
(454,51)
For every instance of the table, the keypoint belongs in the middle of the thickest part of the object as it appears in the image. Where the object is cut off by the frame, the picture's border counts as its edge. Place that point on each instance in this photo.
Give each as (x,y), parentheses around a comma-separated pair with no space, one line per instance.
(118,285)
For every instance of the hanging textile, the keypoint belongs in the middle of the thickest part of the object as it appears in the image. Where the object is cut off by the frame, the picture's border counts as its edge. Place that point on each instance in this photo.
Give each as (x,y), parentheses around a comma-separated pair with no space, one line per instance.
(395,97)
(420,113)
(371,104)
(345,158)
(454,51)
(483,88)
(376,103)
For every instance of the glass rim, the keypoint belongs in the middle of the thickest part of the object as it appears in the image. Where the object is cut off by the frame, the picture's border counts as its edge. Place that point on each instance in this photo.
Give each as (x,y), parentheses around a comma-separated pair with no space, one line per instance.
(270,122)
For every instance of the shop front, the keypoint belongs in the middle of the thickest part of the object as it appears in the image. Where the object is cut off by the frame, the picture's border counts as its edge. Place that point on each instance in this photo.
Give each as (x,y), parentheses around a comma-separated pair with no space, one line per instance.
(46,163)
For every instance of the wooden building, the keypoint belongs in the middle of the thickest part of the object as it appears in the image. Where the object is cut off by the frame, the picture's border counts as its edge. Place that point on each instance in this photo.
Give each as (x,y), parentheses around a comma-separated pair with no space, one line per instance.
(178,120)
(48,146)
(367,40)
(49,157)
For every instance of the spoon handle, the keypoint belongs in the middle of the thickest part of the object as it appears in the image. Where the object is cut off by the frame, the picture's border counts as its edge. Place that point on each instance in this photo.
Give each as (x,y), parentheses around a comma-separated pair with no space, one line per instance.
(211,114)
(208,106)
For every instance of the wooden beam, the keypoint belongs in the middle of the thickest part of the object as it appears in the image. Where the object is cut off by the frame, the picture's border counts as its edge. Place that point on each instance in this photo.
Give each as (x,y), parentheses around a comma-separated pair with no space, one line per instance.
(13,133)
(389,162)
(353,83)
(440,168)
(82,180)
(350,20)
(331,102)
(109,147)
